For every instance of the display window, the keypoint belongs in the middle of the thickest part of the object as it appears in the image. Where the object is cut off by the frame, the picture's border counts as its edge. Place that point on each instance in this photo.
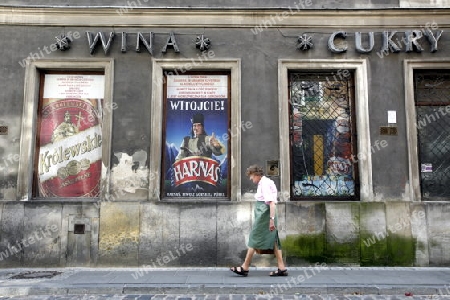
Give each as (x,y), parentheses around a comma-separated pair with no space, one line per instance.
(196,144)
(68,152)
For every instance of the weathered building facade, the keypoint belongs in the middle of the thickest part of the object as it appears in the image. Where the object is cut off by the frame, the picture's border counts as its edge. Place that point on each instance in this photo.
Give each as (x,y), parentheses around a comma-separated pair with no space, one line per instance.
(345,105)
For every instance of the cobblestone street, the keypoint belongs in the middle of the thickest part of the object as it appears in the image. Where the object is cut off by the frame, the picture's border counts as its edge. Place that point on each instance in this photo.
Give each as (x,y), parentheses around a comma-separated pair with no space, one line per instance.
(226,297)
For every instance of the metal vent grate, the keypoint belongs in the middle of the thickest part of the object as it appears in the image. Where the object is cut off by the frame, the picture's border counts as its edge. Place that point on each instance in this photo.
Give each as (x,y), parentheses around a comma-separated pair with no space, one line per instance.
(79,228)
(36,274)
(3,130)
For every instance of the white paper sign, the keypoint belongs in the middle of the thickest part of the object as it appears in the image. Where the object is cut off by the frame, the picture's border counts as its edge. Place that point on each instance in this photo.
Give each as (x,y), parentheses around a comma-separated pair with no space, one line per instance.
(74,86)
(197,86)
(392,116)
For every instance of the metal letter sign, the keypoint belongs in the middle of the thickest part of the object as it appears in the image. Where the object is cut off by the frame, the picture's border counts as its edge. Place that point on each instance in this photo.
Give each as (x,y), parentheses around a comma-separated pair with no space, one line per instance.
(331,44)
(358,43)
(92,41)
(172,43)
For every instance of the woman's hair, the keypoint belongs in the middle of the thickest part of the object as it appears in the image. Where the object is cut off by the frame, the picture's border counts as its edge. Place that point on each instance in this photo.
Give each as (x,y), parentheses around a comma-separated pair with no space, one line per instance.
(254,170)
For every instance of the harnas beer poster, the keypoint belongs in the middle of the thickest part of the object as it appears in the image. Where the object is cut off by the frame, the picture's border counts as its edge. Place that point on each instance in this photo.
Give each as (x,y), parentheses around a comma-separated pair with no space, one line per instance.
(196,152)
(70,136)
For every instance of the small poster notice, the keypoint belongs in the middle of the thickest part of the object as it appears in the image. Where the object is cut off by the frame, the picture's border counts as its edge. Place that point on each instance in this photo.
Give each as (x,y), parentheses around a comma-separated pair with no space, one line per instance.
(426,168)
(196,154)
(272,168)
(70,136)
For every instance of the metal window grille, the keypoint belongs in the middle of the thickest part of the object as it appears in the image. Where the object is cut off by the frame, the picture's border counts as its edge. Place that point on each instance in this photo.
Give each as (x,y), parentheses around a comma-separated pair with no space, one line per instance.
(322,136)
(432,100)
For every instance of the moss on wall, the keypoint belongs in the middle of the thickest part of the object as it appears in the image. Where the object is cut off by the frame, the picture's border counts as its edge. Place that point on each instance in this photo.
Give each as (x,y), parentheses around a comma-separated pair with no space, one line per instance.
(393,250)
(313,248)
(374,250)
(308,248)
(401,251)
(343,253)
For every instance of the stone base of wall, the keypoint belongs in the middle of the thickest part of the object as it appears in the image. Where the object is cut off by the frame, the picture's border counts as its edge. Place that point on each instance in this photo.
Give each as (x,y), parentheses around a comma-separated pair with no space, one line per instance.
(214,234)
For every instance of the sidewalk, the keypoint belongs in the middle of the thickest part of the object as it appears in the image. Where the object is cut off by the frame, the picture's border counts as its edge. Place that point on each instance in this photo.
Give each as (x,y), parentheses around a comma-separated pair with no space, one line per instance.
(318,280)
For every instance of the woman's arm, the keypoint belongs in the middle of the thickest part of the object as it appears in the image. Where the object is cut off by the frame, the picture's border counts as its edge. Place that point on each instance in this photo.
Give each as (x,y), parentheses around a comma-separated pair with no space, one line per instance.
(272,214)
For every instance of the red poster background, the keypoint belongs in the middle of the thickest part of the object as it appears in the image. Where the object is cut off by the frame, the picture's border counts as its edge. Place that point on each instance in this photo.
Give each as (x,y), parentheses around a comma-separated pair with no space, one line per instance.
(69,144)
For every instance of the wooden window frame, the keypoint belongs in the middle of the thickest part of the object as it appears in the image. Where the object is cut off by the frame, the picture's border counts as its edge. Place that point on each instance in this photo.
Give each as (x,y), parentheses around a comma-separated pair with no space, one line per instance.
(409,65)
(29,124)
(157,102)
(354,146)
(359,67)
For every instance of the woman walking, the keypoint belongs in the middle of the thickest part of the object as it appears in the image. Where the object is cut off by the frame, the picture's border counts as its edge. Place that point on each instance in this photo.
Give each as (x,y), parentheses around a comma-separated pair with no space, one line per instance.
(264,235)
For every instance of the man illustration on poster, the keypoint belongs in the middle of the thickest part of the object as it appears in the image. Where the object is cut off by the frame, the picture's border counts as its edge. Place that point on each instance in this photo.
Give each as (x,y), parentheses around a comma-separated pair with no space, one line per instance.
(196,170)
(200,143)
(65,128)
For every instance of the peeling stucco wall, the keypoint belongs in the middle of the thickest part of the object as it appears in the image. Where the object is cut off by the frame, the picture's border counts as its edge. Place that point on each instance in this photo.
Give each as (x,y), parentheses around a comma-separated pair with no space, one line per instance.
(9,157)
(129,177)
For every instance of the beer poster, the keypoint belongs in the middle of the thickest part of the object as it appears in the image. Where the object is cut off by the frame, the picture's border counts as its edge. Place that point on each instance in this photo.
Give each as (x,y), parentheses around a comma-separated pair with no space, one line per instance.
(70,136)
(195,161)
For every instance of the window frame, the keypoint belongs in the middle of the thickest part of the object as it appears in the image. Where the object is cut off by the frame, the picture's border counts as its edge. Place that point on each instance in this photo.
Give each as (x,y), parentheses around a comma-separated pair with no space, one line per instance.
(181,66)
(359,69)
(409,65)
(228,142)
(355,172)
(33,73)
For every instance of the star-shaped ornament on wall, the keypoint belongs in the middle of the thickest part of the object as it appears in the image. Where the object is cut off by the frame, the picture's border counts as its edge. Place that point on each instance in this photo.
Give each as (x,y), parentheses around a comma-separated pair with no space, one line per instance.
(62,42)
(305,42)
(203,43)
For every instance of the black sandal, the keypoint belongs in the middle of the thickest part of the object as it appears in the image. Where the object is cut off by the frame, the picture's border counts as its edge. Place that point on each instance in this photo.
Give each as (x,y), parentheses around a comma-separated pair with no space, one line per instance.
(239,271)
(279,273)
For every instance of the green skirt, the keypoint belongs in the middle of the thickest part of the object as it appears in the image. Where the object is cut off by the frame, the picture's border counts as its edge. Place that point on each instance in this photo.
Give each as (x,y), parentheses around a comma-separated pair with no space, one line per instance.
(261,238)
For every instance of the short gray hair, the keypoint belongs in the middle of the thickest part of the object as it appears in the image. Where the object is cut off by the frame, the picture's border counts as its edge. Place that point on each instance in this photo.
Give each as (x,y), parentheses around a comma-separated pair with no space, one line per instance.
(254,170)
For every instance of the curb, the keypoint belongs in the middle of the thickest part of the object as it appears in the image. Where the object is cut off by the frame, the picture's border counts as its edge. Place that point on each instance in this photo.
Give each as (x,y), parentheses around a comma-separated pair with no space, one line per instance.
(167,289)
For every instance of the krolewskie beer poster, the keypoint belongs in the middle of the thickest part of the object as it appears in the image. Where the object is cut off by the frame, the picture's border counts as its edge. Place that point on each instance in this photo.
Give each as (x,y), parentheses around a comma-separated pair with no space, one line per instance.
(196,148)
(70,136)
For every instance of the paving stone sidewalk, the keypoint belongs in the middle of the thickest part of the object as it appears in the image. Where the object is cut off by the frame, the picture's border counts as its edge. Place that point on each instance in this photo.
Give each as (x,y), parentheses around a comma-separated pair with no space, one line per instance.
(207,283)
